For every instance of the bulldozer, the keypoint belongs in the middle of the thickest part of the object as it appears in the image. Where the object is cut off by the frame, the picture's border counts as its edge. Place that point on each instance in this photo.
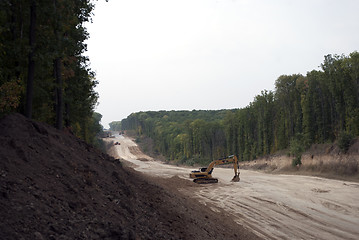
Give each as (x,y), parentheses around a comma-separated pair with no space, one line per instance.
(204,175)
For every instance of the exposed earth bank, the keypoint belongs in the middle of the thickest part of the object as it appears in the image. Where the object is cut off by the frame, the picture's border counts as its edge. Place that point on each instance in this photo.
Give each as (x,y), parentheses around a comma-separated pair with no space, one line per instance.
(55,186)
(323,160)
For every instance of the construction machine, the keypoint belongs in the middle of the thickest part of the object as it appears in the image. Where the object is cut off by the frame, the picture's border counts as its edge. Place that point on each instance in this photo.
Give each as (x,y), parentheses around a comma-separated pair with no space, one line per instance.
(204,175)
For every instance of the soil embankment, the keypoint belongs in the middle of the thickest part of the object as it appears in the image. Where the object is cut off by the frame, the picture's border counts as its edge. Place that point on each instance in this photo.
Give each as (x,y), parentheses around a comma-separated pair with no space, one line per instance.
(55,186)
(324,160)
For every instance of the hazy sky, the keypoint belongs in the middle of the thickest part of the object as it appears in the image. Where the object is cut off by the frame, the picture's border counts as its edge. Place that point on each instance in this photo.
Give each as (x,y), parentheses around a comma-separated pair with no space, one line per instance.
(209,54)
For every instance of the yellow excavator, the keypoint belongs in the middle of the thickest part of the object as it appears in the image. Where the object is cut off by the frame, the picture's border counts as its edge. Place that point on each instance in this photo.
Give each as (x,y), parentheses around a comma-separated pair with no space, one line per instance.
(204,175)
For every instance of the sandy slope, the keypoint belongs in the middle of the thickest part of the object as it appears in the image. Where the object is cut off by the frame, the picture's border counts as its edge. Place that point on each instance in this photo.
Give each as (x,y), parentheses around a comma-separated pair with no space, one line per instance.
(273,206)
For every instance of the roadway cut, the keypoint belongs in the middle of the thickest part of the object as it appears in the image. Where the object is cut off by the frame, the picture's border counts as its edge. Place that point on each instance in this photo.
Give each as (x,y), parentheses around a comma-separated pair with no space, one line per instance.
(272,206)
(55,186)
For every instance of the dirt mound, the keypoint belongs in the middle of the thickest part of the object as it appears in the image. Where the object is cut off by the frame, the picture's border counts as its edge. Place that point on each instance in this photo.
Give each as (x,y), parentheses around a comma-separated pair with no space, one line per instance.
(55,186)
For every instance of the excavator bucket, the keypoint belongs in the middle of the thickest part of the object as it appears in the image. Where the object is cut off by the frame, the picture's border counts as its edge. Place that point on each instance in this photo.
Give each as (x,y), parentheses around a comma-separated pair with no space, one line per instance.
(235,178)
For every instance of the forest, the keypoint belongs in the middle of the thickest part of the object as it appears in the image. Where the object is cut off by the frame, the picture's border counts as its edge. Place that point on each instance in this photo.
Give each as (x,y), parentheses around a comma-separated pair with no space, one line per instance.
(44,73)
(320,107)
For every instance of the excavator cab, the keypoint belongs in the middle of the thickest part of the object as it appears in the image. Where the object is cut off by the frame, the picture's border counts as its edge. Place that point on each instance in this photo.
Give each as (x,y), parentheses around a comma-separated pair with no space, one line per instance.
(201,170)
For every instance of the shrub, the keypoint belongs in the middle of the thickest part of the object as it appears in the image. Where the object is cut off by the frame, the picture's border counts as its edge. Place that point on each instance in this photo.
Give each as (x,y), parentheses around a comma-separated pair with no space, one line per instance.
(297,161)
(296,147)
(345,141)
(190,162)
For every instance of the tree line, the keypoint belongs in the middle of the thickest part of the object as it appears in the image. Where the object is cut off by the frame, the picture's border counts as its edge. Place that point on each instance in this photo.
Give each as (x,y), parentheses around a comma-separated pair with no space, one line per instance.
(302,110)
(44,73)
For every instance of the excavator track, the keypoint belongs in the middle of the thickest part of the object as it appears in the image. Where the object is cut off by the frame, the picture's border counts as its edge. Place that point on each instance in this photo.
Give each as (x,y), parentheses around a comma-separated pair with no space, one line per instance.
(205,180)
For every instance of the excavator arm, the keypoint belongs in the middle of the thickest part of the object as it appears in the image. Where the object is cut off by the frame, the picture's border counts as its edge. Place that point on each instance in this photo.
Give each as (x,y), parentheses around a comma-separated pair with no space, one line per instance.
(204,175)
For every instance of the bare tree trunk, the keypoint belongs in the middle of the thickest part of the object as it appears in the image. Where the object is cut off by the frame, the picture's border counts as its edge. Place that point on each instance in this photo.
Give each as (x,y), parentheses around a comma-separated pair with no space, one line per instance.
(31,64)
(59,95)
(58,73)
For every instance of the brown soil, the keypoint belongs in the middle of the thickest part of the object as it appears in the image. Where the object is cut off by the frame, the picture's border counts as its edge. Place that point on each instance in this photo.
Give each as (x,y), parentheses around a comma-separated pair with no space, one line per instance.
(322,160)
(55,186)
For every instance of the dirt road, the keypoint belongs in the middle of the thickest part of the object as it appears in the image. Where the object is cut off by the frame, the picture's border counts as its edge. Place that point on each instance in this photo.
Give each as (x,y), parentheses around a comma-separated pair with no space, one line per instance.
(272,206)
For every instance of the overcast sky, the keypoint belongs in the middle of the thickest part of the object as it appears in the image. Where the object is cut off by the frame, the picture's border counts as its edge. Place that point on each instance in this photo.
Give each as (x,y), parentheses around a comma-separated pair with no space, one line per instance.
(209,54)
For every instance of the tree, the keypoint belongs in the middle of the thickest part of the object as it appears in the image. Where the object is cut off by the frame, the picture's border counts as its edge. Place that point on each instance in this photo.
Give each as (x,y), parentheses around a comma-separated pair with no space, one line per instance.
(303,110)
(48,61)
(115,126)
(288,112)
(31,63)
(263,107)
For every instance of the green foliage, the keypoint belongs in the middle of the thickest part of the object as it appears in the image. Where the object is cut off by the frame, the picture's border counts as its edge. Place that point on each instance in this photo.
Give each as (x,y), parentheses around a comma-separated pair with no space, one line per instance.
(297,161)
(181,134)
(115,126)
(60,35)
(345,140)
(10,93)
(297,146)
(96,130)
(301,111)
